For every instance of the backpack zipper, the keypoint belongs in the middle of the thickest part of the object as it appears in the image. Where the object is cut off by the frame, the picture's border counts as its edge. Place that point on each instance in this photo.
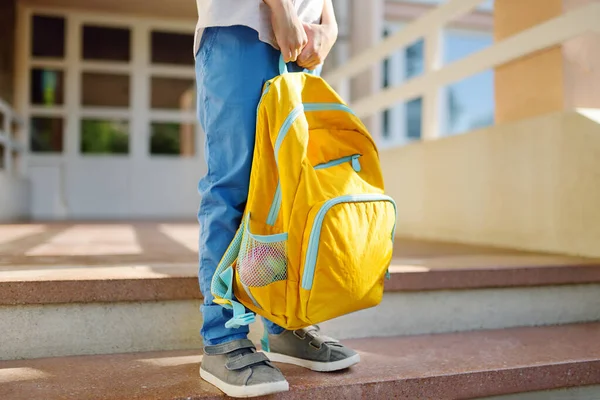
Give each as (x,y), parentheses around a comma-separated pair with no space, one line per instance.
(283,131)
(276,204)
(353,159)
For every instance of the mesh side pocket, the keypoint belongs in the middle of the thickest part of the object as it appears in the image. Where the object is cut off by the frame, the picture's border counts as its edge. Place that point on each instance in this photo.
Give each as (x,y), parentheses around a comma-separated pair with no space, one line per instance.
(263,260)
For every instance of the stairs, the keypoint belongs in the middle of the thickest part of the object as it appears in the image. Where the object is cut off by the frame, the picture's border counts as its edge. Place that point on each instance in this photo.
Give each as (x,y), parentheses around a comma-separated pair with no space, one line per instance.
(449,366)
(456,322)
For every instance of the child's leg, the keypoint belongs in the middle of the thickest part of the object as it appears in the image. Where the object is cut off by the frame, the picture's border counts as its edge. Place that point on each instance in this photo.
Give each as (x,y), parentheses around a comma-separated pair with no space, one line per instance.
(231,67)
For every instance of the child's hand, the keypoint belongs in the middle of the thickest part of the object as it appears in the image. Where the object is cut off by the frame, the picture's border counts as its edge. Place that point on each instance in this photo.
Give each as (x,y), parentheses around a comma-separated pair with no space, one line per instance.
(288,29)
(321,39)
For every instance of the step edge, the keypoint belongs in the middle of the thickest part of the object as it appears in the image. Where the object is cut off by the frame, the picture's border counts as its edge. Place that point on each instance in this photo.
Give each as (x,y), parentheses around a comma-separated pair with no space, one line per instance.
(185,287)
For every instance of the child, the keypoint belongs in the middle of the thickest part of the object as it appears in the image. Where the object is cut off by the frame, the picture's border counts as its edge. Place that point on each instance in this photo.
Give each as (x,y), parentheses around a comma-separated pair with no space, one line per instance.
(238,45)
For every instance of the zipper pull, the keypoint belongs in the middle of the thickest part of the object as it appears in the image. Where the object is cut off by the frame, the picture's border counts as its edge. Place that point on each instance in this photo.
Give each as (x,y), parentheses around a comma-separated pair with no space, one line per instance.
(388,276)
(356,163)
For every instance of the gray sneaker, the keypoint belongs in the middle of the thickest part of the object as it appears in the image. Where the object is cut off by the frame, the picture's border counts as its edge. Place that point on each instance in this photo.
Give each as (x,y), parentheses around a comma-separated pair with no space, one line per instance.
(239,371)
(308,349)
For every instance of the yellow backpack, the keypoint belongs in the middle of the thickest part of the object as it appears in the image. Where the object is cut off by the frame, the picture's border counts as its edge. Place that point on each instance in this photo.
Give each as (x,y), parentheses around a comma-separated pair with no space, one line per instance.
(317,233)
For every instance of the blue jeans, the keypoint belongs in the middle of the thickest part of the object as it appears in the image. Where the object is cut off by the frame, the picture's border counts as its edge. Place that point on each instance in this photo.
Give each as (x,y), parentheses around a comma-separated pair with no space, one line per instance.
(232,66)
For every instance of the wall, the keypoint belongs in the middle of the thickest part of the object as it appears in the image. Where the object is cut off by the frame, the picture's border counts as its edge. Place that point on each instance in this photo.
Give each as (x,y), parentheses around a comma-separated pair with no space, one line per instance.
(531,85)
(115,188)
(14,197)
(581,64)
(7,40)
(529,185)
(562,77)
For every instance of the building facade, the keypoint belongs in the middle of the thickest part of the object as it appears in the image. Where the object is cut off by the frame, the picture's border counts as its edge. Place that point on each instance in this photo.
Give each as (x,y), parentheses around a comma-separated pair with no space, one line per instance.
(106,92)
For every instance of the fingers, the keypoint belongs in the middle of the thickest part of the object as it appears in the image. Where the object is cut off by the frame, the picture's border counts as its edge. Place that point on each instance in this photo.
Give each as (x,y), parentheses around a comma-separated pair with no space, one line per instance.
(290,56)
(309,60)
(300,46)
(287,55)
(306,54)
(292,53)
(295,54)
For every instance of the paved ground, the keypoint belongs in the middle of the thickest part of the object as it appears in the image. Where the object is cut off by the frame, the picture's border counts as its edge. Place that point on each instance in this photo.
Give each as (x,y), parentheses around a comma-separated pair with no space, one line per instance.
(126,243)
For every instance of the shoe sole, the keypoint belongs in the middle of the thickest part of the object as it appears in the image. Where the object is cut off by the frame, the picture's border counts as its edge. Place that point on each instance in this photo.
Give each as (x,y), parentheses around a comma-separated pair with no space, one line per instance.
(244,391)
(318,366)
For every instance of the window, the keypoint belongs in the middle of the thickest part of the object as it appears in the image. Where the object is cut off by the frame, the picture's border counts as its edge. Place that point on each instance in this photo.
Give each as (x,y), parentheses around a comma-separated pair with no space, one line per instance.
(104,90)
(104,96)
(104,137)
(469,102)
(46,135)
(172,93)
(414,108)
(386,125)
(48,38)
(172,139)
(47,87)
(172,48)
(414,59)
(106,44)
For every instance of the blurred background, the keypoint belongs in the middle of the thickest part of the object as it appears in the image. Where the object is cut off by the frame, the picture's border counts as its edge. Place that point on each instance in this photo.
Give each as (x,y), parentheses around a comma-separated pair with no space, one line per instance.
(105,93)
(98,112)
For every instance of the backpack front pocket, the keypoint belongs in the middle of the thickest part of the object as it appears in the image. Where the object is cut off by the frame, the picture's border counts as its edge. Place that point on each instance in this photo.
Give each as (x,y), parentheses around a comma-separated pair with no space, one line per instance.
(347,249)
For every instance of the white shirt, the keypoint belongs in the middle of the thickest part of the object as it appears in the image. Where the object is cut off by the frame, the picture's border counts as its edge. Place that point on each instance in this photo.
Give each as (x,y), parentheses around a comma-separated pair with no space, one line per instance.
(252,13)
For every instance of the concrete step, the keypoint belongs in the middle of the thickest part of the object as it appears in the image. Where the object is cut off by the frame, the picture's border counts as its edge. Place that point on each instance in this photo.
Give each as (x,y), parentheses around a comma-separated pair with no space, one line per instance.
(70,295)
(520,363)
(98,310)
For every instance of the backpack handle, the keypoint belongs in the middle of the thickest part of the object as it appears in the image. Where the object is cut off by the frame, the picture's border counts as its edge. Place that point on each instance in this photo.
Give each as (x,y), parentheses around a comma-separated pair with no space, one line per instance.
(282,66)
(283,69)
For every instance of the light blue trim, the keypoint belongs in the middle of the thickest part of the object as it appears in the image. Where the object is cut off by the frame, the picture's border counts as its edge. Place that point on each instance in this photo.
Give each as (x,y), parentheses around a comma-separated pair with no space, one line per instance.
(279,237)
(327,107)
(295,113)
(282,66)
(275,205)
(265,91)
(283,69)
(353,159)
(283,131)
(355,163)
(315,234)
(285,127)
(240,316)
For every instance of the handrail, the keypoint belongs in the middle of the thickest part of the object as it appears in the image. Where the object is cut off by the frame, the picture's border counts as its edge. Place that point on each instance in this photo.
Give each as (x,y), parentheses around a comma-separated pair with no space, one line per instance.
(437,76)
(6,135)
(539,37)
(439,16)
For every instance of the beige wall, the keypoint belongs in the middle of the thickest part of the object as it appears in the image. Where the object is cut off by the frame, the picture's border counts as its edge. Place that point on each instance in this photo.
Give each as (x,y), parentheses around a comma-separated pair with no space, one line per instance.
(531,85)
(560,78)
(532,184)
(581,63)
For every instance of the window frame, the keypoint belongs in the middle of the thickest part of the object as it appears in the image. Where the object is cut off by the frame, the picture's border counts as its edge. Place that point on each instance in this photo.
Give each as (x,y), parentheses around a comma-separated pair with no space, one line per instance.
(139,68)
